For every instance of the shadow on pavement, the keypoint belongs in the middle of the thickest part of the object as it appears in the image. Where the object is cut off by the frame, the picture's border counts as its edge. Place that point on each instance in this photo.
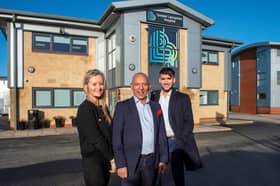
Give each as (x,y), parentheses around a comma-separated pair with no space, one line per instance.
(237,168)
(230,168)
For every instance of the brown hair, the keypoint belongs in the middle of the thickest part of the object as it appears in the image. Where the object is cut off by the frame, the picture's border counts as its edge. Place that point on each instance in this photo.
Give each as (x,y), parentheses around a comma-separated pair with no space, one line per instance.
(102,100)
(167,70)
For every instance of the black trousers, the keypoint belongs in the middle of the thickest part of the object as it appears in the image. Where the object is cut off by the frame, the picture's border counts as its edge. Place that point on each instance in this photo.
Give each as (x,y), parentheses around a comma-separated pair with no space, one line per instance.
(145,174)
(96,170)
(178,167)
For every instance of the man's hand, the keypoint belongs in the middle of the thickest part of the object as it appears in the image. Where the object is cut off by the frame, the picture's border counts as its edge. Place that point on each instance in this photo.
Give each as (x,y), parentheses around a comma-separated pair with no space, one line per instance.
(162,167)
(122,172)
(113,166)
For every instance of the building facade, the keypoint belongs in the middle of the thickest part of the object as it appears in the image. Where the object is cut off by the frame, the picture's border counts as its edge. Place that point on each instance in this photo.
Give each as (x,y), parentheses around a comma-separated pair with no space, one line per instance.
(256,78)
(48,56)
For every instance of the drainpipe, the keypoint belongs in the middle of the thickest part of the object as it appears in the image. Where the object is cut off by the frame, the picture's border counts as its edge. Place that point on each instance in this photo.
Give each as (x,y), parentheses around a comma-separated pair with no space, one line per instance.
(15,72)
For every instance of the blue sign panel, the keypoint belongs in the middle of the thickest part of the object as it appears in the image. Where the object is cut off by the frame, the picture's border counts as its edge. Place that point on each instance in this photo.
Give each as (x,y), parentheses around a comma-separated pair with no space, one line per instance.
(165,18)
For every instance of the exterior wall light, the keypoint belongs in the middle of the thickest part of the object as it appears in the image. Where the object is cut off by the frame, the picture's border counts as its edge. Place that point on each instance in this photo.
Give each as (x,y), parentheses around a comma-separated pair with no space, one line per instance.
(194,70)
(132,38)
(131,67)
(31,69)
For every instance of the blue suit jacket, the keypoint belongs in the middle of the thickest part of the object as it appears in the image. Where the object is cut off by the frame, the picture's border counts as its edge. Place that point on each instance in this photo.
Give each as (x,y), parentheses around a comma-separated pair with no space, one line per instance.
(127,135)
(181,121)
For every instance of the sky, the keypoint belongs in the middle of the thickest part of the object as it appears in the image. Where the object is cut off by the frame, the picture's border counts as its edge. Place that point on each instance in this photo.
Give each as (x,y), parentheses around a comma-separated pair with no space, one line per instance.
(247,21)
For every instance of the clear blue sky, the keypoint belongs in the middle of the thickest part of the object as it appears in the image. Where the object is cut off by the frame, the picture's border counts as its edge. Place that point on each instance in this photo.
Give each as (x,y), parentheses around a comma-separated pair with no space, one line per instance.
(248,21)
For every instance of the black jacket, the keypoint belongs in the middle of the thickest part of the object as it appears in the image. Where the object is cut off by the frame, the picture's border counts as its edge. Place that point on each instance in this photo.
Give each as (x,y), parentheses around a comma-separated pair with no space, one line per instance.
(94,132)
(181,121)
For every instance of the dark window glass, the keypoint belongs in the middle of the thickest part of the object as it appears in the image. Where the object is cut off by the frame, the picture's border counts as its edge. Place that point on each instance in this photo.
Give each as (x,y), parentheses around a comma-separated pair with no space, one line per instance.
(42,42)
(61,44)
(79,45)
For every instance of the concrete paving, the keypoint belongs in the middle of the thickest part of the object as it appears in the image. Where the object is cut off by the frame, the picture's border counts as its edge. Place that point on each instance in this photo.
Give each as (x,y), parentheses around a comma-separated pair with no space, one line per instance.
(233,119)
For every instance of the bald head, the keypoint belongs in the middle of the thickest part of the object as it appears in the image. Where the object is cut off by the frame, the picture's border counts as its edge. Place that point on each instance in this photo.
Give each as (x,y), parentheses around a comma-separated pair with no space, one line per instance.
(140,86)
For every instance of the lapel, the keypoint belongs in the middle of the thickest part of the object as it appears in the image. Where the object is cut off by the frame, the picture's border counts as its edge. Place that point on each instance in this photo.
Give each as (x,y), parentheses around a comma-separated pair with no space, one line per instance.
(155,117)
(171,106)
(134,116)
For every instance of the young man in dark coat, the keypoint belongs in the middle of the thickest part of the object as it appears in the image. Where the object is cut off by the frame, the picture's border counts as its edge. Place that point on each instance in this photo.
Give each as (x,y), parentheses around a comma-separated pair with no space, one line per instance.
(178,119)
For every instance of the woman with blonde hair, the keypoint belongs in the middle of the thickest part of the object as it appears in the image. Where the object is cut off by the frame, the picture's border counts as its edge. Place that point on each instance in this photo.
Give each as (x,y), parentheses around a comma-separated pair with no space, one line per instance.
(94,128)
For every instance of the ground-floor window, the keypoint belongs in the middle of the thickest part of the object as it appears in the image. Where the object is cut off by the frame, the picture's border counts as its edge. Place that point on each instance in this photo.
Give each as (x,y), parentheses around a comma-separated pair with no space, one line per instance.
(209,97)
(57,97)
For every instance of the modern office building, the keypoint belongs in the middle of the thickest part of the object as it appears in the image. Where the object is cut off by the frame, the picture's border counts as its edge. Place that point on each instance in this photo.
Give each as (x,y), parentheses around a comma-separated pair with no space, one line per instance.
(256,78)
(48,56)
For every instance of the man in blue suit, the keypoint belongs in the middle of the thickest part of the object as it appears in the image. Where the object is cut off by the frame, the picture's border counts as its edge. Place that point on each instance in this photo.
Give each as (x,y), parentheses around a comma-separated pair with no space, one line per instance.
(139,138)
(178,119)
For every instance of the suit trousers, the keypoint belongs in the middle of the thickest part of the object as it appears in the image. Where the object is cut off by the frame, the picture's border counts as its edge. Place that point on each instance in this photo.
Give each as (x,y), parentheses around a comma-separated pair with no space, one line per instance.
(145,174)
(177,162)
(96,170)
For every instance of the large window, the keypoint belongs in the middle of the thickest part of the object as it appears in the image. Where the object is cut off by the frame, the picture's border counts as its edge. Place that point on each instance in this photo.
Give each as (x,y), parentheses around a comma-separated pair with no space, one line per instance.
(163,50)
(278,77)
(59,43)
(111,56)
(209,97)
(57,97)
(209,57)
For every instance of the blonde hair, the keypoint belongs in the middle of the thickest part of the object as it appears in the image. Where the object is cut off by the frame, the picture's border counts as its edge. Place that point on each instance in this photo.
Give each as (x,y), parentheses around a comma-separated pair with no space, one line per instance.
(101,100)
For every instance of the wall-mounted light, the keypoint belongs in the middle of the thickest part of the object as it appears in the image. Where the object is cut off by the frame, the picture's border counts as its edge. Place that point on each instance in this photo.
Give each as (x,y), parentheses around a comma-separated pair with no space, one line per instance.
(131,67)
(31,69)
(194,70)
(132,38)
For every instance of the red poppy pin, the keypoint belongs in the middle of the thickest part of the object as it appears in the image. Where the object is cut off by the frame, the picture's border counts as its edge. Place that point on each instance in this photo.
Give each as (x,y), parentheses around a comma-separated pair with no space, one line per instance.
(159,112)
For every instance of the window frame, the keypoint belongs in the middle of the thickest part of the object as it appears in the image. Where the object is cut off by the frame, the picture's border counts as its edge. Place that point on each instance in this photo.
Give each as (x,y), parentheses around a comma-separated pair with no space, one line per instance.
(208,54)
(209,91)
(52,43)
(52,91)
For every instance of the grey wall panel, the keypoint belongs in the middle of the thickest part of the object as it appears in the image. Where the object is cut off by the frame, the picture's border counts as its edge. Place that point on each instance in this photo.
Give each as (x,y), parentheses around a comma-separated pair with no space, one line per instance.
(193,54)
(131,53)
(275,88)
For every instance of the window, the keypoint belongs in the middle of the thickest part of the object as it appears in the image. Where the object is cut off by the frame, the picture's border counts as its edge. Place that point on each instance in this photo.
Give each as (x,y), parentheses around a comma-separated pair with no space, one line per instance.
(57,97)
(43,98)
(62,98)
(163,46)
(261,79)
(278,77)
(111,65)
(59,43)
(209,57)
(278,52)
(42,42)
(163,50)
(208,97)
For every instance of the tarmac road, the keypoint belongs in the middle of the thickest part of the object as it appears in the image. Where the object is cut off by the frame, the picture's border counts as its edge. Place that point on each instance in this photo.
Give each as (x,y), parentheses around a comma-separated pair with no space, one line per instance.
(248,155)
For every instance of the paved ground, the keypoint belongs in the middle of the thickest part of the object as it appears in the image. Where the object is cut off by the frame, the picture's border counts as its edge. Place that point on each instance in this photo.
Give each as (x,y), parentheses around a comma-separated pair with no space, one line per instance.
(206,127)
(247,154)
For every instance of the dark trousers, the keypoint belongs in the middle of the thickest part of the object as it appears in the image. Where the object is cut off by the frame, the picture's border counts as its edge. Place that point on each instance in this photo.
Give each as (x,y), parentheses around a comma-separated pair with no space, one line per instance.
(177,167)
(96,170)
(145,174)
(177,162)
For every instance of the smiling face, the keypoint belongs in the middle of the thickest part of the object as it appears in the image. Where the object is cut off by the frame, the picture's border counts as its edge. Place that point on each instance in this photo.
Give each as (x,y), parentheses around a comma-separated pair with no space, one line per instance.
(95,88)
(166,81)
(140,86)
